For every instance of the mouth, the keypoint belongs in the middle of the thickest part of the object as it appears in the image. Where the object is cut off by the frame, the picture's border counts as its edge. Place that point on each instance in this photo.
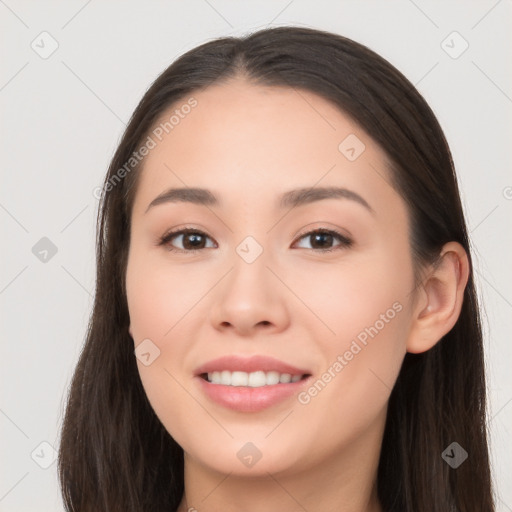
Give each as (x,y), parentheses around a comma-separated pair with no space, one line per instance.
(250,384)
(255,379)
(250,392)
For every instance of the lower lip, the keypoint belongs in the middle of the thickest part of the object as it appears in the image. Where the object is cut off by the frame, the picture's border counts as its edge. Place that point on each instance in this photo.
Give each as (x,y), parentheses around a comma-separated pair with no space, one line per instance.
(248,399)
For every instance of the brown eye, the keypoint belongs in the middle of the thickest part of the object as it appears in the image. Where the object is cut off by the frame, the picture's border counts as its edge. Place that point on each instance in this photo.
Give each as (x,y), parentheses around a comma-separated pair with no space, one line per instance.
(322,240)
(191,240)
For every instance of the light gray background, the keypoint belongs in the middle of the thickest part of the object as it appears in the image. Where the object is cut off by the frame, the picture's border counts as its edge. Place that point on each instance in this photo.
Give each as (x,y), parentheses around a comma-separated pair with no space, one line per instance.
(62,118)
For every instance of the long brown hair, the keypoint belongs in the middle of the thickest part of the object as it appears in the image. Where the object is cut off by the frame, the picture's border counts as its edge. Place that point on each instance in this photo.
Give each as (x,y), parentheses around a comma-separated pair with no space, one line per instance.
(116,455)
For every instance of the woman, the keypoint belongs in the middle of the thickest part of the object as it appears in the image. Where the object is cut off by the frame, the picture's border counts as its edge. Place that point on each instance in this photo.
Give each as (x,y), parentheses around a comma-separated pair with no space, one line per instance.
(285,315)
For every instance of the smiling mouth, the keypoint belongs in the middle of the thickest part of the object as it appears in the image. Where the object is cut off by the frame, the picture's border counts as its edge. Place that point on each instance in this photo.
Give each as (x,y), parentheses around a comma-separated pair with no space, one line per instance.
(253,379)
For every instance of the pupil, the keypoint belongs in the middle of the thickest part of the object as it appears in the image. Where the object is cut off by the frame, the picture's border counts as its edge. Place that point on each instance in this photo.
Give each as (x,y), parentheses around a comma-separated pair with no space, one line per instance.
(322,236)
(196,240)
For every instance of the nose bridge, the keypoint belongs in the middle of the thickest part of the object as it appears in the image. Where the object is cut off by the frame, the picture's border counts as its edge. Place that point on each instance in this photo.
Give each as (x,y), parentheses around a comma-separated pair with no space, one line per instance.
(250,249)
(249,277)
(249,230)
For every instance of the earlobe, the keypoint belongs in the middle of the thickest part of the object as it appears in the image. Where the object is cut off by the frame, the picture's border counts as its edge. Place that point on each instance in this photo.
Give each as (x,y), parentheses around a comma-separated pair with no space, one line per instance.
(441,300)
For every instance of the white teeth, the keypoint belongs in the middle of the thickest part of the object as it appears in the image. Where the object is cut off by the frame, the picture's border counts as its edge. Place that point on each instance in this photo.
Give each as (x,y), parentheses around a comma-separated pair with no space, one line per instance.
(272,378)
(285,378)
(253,379)
(256,379)
(239,379)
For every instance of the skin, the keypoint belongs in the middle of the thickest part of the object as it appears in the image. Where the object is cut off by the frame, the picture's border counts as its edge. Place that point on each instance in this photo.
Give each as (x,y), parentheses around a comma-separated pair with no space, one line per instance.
(248,144)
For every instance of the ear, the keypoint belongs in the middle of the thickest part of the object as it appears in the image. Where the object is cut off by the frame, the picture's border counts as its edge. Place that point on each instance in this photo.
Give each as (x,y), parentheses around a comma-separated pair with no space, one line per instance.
(439,299)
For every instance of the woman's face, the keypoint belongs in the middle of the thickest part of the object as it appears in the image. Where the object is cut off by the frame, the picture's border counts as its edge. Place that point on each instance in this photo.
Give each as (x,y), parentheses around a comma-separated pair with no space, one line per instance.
(261,287)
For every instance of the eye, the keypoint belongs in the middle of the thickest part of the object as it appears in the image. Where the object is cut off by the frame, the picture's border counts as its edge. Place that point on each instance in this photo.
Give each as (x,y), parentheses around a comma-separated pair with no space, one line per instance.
(324,238)
(193,240)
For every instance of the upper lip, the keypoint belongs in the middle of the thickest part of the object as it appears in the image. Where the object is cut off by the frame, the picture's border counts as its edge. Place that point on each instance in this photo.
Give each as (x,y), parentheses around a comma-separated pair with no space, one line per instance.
(248,364)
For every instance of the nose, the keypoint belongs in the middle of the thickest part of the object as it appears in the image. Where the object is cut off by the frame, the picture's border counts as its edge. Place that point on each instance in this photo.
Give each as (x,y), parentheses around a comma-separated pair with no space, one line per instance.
(250,299)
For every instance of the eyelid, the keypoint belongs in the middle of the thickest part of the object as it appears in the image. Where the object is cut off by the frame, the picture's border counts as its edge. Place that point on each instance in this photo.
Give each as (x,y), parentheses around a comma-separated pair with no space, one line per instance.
(325,227)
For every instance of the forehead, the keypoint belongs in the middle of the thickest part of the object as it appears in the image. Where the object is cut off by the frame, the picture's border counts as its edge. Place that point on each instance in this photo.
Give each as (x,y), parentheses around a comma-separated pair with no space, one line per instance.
(241,112)
(249,139)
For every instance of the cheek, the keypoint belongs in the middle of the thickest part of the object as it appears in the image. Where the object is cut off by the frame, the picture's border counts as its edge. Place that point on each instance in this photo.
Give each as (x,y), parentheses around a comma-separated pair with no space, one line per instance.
(159,296)
(367,306)
(353,295)
(362,363)
(158,302)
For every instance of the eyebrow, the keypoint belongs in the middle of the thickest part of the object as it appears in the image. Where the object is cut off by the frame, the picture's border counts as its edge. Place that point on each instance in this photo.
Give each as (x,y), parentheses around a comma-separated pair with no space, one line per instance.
(290,199)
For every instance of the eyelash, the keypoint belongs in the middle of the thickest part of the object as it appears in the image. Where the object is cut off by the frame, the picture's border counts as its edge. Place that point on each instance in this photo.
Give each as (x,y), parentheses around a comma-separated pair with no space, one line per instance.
(345,242)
